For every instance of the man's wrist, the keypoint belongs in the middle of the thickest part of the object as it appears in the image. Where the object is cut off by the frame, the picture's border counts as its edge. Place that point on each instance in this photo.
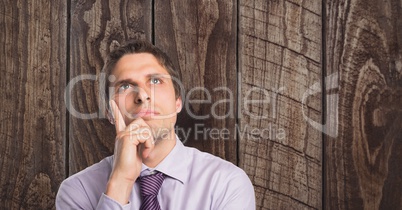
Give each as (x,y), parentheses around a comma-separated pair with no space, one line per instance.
(119,190)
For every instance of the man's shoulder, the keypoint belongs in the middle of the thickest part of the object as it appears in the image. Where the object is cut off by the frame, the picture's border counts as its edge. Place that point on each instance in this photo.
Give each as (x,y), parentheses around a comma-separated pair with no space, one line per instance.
(96,172)
(85,187)
(205,161)
(223,179)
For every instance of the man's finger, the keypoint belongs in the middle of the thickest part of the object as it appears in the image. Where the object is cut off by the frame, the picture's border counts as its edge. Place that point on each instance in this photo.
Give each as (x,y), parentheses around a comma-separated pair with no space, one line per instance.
(145,133)
(149,145)
(137,137)
(119,120)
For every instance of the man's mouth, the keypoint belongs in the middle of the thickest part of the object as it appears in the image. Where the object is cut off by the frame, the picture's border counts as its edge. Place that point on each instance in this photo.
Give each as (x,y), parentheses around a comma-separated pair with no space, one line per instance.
(146,113)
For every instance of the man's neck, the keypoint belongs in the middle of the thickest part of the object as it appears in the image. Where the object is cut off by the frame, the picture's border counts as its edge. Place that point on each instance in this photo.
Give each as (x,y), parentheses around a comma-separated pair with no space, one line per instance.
(162,149)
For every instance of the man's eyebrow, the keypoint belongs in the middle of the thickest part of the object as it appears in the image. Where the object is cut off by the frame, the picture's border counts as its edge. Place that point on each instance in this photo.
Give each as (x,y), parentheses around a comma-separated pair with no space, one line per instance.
(158,75)
(132,82)
(124,81)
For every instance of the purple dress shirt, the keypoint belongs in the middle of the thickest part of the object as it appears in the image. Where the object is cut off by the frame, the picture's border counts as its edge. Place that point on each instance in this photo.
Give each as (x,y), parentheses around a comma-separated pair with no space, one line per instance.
(194,180)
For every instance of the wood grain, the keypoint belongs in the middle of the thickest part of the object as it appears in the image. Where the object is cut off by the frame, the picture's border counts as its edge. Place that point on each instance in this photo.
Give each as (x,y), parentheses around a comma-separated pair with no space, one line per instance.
(96,27)
(364,49)
(280,63)
(200,38)
(274,60)
(33,75)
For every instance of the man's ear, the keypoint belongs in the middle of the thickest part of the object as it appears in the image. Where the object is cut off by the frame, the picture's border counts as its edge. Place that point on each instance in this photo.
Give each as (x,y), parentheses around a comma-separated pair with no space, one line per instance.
(179,104)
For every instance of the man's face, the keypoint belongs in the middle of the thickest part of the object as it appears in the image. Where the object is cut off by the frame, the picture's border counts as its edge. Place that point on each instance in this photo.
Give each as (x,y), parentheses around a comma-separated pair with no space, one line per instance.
(143,88)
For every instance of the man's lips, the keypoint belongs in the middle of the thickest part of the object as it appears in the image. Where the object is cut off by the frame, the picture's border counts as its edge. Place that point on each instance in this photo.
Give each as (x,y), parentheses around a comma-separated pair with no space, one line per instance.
(146,113)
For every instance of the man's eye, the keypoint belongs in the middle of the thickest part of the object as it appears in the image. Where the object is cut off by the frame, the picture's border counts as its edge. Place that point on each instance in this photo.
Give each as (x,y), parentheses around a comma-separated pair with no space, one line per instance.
(155,81)
(123,87)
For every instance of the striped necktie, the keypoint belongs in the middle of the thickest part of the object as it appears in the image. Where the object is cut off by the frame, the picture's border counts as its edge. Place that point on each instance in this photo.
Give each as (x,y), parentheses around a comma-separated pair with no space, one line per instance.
(149,186)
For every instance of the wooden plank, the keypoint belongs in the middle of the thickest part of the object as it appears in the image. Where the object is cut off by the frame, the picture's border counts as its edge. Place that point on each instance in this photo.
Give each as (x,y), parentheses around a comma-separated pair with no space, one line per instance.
(280,62)
(200,38)
(96,27)
(33,64)
(363,169)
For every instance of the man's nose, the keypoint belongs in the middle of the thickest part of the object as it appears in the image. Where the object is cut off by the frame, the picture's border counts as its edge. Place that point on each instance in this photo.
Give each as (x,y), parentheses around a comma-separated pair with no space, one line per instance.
(141,96)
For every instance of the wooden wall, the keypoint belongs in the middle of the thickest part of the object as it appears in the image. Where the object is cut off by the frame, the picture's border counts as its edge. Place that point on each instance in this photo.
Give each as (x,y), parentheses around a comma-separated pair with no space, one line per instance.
(287,66)
(280,59)
(33,116)
(363,167)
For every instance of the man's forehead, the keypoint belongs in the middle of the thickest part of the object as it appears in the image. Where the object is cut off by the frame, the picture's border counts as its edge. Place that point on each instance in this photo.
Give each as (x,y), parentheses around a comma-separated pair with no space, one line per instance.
(137,59)
(142,63)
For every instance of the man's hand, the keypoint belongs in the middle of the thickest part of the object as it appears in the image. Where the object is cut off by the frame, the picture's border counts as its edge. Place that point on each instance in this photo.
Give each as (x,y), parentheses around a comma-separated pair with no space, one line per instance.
(127,159)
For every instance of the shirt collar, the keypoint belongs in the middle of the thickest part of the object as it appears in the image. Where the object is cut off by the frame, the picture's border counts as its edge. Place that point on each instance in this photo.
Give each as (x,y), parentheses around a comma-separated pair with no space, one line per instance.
(175,164)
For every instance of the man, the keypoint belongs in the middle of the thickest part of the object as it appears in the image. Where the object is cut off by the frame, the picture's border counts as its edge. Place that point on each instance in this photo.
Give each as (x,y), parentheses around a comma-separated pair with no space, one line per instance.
(151,168)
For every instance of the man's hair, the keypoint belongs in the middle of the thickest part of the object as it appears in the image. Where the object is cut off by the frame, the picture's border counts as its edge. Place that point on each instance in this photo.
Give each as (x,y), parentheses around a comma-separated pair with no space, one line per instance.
(134,47)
